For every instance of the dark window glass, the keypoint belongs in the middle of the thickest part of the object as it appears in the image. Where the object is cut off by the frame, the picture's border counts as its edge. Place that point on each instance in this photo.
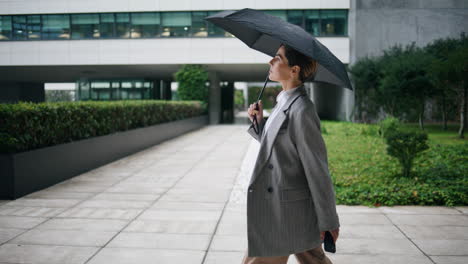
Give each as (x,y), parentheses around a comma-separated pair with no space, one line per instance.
(20,28)
(5,28)
(213,30)
(334,22)
(145,25)
(199,28)
(122,26)
(85,26)
(295,17)
(278,13)
(312,22)
(34,27)
(55,27)
(176,24)
(106,27)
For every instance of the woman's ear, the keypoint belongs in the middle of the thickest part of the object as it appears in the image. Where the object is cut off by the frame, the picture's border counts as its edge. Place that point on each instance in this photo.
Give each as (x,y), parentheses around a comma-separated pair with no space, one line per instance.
(295,70)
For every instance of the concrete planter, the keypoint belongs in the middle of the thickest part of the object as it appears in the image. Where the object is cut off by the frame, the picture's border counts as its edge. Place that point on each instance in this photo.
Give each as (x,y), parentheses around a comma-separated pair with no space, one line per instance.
(30,171)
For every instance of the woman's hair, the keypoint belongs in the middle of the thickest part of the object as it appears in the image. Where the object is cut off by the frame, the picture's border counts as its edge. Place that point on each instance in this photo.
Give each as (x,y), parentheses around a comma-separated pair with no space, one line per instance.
(308,65)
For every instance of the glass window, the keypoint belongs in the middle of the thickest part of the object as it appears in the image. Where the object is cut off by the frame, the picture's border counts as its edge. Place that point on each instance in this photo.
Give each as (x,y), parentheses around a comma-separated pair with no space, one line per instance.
(134,95)
(295,17)
(213,30)
(278,13)
(106,27)
(83,90)
(199,24)
(100,85)
(85,26)
(176,24)
(145,25)
(312,22)
(55,27)
(103,95)
(122,25)
(5,27)
(19,28)
(334,22)
(126,84)
(34,27)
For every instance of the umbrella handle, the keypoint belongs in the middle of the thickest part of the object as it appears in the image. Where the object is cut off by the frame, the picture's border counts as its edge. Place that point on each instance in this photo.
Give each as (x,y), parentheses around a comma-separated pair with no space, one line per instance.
(254,121)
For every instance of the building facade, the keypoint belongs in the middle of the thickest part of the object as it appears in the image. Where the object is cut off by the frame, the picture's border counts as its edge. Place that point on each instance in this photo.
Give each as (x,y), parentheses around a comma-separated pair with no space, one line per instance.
(130,49)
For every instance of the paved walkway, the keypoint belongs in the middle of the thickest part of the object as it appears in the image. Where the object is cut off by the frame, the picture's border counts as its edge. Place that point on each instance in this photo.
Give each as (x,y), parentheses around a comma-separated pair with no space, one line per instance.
(183,201)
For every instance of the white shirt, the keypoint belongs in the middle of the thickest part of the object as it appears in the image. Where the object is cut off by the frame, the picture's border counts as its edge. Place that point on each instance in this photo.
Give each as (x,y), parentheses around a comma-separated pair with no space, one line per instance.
(280,100)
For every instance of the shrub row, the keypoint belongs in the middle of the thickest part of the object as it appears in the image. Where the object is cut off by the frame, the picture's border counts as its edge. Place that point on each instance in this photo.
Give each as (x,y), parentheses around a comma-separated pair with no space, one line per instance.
(27,126)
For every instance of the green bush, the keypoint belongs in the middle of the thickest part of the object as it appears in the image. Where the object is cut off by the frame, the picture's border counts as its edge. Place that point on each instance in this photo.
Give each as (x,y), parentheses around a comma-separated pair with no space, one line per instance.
(388,125)
(405,146)
(26,126)
(268,97)
(192,83)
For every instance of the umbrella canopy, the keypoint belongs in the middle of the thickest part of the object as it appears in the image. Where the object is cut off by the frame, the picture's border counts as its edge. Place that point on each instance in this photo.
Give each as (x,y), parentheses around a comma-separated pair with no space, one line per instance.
(265,33)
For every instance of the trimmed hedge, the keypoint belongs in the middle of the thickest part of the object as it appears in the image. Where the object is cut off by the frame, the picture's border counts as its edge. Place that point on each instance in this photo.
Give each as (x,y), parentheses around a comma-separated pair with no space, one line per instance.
(27,126)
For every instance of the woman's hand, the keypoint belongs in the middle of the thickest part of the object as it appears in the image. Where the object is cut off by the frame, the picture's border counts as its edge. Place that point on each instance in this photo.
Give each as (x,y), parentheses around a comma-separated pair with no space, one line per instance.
(335,233)
(259,113)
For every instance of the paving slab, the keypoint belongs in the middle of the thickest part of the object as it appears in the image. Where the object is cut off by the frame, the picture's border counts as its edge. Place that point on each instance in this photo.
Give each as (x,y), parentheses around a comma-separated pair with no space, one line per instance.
(84,224)
(161,241)
(100,213)
(30,211)
(146,256)
(450,259)
(64,237)
(173,226)
(20,222)
(9,233)
(429,220)
(446,247)
(45,254)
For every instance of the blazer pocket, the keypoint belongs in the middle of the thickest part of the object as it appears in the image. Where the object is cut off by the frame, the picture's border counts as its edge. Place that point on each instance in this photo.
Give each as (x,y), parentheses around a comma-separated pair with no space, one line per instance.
(294,194)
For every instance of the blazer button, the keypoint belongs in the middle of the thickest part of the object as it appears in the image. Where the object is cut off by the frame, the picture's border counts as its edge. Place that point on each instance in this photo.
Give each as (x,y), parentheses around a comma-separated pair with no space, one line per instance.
(270,166)
(270,189)
(250,190)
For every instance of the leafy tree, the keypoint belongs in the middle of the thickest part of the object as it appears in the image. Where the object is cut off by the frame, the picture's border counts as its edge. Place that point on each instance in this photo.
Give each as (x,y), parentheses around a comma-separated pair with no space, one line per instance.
(366,75)
(439,49)
(452,70)
(406,82)
(192,83)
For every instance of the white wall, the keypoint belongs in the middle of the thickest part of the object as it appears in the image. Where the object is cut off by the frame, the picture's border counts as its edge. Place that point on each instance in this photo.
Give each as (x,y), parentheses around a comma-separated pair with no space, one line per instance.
(144,51)
(77,6)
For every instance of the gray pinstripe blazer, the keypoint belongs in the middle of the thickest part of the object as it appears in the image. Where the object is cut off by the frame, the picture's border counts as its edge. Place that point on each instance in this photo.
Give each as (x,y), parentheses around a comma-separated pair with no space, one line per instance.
(290,198)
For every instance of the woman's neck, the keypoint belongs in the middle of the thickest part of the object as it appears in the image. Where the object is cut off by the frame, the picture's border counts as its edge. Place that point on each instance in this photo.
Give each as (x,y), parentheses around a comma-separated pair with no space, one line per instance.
(290,84)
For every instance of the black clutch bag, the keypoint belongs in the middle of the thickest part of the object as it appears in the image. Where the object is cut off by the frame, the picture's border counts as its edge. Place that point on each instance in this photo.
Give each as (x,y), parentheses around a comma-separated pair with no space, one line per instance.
(328,243)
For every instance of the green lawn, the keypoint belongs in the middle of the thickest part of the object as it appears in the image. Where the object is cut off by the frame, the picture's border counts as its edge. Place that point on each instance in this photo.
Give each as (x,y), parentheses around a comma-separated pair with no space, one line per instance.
(363,173)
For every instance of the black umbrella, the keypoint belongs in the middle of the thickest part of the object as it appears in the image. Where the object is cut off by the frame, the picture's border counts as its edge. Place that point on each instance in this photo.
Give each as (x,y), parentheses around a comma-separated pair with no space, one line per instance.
(265,33)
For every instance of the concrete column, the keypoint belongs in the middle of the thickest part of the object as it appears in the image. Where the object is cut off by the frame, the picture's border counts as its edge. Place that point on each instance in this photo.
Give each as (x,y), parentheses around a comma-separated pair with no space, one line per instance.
(227,103)
(330,101)
(157,89)
(166,90)
(214,102)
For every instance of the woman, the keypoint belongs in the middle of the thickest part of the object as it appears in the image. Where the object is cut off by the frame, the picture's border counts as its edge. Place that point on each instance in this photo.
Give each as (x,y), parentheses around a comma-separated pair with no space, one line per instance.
(290,199)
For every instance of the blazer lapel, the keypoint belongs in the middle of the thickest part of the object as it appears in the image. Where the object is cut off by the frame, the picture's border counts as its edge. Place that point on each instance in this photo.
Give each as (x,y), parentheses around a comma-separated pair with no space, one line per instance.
(268,139)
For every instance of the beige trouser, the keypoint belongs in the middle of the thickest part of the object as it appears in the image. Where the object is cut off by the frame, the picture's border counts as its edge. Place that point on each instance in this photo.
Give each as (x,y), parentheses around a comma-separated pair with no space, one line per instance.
(312,256)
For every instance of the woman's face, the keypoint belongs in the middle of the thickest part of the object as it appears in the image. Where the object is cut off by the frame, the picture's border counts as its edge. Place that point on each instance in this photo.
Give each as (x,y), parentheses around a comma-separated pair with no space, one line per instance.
(279,68)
